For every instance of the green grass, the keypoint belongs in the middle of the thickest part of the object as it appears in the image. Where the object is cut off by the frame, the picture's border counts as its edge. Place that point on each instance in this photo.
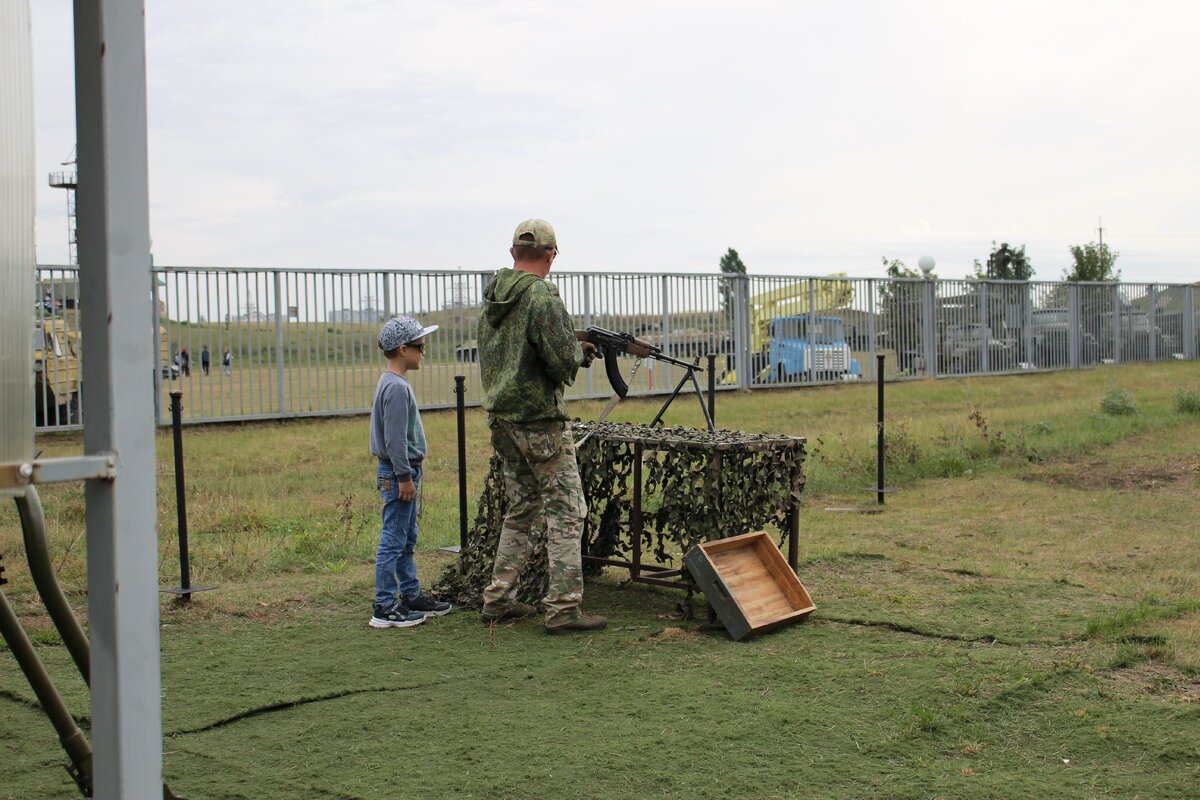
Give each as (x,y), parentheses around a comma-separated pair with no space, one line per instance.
(1022,621)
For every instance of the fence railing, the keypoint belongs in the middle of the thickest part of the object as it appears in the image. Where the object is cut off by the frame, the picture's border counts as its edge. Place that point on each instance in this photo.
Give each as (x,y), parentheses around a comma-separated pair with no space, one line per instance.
(265,344)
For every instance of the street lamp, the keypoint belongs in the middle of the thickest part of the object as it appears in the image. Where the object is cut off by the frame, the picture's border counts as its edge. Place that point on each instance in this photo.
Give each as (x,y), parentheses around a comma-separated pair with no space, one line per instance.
(926,263)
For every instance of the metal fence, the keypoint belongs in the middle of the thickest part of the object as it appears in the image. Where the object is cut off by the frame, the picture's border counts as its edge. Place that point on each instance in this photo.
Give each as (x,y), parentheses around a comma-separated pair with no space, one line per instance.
(247,344)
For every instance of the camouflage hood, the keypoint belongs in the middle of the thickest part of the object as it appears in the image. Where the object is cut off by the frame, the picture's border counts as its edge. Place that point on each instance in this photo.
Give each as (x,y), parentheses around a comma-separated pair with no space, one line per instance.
(504,293)
(527,348)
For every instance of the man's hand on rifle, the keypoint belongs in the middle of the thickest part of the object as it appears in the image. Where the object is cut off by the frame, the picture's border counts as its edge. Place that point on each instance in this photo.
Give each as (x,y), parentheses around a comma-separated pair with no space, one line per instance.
(590,351)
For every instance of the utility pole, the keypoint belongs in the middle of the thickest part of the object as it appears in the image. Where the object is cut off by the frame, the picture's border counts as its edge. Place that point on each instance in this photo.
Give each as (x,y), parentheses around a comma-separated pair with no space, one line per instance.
(1101,229)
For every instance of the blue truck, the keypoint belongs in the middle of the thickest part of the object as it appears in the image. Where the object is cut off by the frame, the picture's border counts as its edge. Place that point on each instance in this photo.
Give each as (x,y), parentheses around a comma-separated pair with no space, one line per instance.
(801,344)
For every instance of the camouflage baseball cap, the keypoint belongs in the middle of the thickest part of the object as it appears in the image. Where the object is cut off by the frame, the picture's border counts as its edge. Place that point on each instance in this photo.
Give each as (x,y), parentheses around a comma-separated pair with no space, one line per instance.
(535,233)
(402,330)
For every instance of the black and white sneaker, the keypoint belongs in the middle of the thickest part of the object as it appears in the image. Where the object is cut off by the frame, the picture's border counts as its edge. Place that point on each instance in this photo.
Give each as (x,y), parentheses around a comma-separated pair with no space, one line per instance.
(395,617)
(428,606)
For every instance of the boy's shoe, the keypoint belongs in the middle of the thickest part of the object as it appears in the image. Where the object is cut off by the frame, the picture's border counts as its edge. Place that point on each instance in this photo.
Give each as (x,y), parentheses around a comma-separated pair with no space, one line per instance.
(427,606)
(395,617)
(584,622)
(514,612)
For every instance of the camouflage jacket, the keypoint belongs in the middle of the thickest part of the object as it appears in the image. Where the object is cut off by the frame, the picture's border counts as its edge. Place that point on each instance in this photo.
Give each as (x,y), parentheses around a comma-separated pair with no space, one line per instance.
(527,348)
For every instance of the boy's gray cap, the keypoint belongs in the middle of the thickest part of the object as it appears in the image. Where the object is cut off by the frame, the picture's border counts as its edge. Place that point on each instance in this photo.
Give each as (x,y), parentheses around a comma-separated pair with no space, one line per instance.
(536,233)
(402,330)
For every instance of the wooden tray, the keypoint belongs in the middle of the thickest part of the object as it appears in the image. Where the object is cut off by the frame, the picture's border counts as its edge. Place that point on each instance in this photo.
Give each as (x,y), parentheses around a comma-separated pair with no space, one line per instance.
(749,584)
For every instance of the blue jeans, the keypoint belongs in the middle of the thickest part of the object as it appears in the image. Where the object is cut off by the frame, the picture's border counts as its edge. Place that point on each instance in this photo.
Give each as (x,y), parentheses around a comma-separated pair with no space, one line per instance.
(395,568)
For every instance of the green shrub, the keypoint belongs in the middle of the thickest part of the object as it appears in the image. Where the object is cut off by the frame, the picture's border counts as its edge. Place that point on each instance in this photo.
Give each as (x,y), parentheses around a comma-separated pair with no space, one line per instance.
(1187,402)
(1118,403)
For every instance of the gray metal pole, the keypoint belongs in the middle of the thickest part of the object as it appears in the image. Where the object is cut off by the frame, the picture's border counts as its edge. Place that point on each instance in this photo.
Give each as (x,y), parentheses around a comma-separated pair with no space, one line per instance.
(114,249)
(1076,322)
(1189,323)
(1152,320)
(279,375)
(929,326)
(741,330)
(985,319)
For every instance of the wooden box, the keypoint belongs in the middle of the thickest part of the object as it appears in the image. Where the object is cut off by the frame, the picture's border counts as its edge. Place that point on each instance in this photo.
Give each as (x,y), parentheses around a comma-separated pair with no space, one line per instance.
(749,584)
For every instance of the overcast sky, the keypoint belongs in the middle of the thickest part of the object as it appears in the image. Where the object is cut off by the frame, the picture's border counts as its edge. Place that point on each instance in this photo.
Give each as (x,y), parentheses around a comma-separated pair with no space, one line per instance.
(812,137)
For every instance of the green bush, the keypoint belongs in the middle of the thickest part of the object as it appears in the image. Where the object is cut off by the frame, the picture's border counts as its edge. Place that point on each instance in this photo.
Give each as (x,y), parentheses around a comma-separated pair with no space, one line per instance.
(1187,402)
(1118,403)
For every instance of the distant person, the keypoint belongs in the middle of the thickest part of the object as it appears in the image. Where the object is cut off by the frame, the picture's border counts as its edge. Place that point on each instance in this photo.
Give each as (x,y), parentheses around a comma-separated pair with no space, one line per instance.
(185,362)
(226,360)
(527,354)
(398,441)
(204,360)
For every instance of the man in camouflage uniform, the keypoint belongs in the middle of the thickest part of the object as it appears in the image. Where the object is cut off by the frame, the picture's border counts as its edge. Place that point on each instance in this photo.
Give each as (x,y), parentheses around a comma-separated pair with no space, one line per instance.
(527,354)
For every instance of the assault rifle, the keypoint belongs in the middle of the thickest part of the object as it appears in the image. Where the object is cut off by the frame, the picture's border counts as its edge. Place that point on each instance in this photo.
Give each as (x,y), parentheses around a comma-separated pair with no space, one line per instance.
(611,344)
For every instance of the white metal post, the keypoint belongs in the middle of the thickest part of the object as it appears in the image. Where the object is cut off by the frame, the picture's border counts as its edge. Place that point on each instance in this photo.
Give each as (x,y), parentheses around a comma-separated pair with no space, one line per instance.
(114,255)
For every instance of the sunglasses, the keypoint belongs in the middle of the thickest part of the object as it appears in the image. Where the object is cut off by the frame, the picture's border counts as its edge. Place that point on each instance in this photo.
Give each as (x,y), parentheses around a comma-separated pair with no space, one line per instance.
(420,346)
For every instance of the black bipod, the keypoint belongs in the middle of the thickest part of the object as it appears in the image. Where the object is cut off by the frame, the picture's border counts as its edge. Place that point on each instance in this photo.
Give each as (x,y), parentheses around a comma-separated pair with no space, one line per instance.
(689,375)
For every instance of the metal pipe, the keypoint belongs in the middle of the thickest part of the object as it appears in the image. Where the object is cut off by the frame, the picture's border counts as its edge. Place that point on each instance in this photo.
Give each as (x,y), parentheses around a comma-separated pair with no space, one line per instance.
(33,526)
(185,573)
(73,741)
(879,433)
(460,390)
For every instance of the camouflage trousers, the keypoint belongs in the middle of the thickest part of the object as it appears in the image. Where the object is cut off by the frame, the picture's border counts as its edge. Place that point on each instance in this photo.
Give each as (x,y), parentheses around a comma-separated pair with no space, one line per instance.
(541,479)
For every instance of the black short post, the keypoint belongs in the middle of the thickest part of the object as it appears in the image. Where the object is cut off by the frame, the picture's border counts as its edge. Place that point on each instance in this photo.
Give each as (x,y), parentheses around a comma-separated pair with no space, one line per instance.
(460,390)
(712,388)
(879,423)
(185,576)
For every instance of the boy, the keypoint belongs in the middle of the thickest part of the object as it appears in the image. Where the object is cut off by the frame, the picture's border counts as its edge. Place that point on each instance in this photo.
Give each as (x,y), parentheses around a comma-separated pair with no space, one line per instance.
(398,441)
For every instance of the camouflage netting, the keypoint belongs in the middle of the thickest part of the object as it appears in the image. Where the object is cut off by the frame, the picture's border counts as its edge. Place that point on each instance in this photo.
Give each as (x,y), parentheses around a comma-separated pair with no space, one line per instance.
(697,485)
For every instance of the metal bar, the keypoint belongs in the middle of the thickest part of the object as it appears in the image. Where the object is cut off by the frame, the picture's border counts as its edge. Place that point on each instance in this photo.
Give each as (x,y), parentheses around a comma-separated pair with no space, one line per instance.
(114,242)
(57,470)
(460,389)
(635,513)
(185,572)
(879,439)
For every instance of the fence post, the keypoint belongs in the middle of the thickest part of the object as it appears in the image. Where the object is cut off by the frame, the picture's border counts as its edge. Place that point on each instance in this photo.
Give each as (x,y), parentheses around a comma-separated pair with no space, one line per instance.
(158,365)
(279,342)
(985,319)
(929,326)
(1074,318)
(871,332)
(1189,323)
(1116,324)
(1152,319)
(587,322)
(1028,321)
(811,354)
(666,326)
(741,328)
